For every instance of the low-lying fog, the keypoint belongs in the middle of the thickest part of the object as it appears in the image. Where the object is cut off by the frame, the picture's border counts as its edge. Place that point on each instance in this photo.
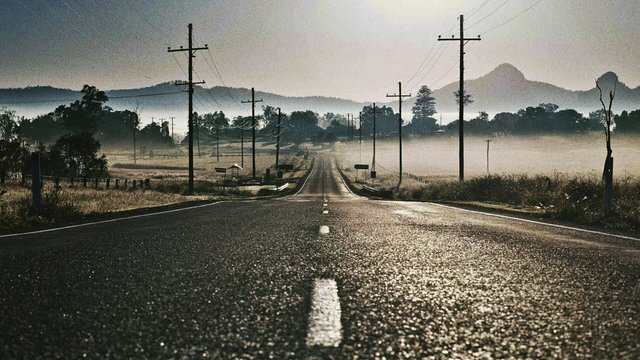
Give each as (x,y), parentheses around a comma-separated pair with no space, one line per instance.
(438,156)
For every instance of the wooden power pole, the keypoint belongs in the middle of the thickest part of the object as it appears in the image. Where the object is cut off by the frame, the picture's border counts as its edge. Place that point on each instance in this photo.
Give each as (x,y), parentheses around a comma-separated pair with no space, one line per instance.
(190,83)
(399,95)
(278,141)
(462,41)
(253,102)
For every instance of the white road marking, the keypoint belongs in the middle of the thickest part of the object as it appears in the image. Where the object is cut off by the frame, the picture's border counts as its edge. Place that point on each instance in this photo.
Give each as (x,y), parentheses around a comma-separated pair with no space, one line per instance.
(325,212)
(106,221)
(324,229)
(325,328)
(540,223)
(324,205)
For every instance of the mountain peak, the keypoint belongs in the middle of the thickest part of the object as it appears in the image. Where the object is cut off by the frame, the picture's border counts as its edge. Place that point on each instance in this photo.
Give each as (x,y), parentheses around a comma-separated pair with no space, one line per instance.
(506,72)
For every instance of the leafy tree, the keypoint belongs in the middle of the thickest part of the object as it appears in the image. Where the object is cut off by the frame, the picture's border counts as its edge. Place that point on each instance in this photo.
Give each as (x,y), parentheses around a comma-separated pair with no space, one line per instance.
(44,129)
(467,99)
(628,122)
(155,134)
(424,108)
(596,120)
(84,115)
(8,124)
(480,124)
(386,120)
(569,120)
(504,122)
(338,125)
(12,157)
(75,155)
(534,120)
(301,125)
(117,127)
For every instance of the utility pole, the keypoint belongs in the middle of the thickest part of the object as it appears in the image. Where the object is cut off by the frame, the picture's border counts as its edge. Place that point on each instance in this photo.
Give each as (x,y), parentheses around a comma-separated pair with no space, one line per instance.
(463,41)
(253,102)
(399,95)
(172,126)
(373,162)
(278,142)
(359,118)
(242,143)
(348,128)
(488,141)
(217,143)
(190,83)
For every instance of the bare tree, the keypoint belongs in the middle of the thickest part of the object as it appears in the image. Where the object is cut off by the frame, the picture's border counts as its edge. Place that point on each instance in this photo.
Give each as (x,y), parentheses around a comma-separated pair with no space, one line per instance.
(607,175)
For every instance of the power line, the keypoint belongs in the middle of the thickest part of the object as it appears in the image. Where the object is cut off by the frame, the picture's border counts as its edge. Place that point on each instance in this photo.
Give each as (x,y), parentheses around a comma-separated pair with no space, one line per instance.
(489,14)
(477,9)
(508,21)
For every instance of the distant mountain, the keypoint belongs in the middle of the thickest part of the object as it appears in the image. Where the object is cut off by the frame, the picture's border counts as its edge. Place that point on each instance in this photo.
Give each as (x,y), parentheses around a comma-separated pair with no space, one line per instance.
(170,101)
(506,89)
(503,89)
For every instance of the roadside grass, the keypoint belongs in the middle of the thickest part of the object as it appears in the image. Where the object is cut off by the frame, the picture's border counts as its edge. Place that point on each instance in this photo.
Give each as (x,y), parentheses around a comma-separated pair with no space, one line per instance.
(575,198)
(66,204)
(168,186)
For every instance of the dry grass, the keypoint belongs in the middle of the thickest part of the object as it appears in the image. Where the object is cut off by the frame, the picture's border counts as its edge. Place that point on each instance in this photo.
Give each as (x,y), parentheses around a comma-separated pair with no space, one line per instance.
(70,204)
(168,176)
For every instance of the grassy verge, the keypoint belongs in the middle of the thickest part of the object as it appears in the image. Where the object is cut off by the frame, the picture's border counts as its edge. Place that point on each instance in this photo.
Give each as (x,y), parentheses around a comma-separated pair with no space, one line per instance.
(68,204)
(576,199)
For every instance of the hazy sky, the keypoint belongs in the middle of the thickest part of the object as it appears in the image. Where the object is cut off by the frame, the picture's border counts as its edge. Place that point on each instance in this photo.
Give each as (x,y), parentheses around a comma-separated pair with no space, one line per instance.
(357,49)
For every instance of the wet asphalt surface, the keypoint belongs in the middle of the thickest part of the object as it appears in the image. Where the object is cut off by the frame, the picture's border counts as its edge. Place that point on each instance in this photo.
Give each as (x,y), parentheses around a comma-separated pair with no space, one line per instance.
(234,280)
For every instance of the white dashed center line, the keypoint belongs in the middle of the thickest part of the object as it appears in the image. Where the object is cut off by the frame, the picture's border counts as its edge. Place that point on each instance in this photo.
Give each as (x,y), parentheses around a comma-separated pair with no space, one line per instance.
(325,328)
(324,229)
(324,205)
(325,212)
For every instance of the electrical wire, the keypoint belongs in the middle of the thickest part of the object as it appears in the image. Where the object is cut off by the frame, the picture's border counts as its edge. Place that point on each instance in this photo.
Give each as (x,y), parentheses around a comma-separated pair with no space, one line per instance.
(508,21)
(489,14)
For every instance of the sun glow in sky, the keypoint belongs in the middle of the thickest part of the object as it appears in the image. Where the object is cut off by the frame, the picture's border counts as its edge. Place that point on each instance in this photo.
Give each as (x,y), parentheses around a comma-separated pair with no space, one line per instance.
(355,49)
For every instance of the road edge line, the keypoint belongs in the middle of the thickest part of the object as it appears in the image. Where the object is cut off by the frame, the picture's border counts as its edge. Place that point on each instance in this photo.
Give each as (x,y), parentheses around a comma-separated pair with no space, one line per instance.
(566,227)
(106,221)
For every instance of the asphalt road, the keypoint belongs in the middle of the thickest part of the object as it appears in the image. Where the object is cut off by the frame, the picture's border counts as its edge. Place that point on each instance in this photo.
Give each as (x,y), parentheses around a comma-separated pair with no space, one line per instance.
(238,280)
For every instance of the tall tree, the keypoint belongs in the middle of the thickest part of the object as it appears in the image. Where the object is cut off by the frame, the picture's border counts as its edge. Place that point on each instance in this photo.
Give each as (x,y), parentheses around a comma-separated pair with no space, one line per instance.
(83,116)
(8,124)
(425,105)
(466,98)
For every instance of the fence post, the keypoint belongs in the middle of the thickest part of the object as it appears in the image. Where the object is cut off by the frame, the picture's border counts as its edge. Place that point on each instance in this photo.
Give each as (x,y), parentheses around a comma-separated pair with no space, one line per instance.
(126,181)
(96,183)
(84,181)
(108,181)
(117,183)
(71,180)
(35,180)
(57,180)
(134,184)
(146,183)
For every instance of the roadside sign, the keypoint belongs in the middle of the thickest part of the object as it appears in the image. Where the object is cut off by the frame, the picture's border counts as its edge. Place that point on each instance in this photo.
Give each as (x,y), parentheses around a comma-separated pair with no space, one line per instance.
(285,167)
(361,166)
(373,174)
(221,170)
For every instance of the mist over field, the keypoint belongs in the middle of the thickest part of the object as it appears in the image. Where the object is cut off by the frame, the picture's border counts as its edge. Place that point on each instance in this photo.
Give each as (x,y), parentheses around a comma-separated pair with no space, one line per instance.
(437,157)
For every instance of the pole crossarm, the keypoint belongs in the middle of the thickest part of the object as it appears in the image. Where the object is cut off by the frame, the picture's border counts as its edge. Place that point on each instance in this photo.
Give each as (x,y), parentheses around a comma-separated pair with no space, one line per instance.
(205,47)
